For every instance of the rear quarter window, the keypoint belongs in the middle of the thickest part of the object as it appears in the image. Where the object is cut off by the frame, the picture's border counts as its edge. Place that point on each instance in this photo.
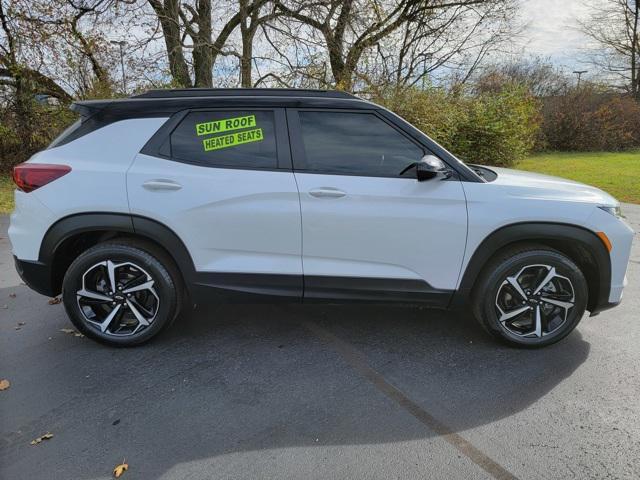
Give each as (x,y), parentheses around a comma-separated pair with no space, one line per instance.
(67,135)
(226,138)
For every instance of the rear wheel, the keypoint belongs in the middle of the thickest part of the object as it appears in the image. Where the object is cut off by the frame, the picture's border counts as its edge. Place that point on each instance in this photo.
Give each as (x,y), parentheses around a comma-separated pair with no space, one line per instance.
(530,297)
(121,294)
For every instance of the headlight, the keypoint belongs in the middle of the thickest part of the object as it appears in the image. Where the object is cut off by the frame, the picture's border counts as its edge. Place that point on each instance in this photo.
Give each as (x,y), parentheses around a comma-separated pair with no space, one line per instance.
(615,211)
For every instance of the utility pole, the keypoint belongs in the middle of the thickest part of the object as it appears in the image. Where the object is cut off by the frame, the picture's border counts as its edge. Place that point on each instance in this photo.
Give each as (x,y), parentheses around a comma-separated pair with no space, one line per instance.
(121,44)
(579,73)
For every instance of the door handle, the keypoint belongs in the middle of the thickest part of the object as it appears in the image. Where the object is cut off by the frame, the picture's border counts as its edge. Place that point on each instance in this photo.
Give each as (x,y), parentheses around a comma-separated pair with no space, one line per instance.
(327,192)
(161,184)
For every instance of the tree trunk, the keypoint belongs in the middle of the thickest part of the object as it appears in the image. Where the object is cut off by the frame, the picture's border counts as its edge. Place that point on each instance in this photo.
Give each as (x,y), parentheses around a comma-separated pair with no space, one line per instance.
(168,15)
(247,32)
(23,109)
(102,76)
(202,51)
(336,61)
(635,52)
(245,62)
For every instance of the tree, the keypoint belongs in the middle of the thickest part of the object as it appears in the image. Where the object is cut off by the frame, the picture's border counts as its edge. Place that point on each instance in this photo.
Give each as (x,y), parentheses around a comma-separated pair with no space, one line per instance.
(449,42)
(350,28)
(615,26)
(22,81)
(540,77)
(189,26)
(14,71)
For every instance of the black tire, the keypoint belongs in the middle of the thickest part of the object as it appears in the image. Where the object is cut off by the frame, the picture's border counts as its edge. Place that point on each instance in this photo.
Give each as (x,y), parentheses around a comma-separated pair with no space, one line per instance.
(136,262)
(496,297)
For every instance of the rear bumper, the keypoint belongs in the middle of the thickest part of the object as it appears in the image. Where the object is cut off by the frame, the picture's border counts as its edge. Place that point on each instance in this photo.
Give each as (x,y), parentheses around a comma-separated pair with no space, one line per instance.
(36,275)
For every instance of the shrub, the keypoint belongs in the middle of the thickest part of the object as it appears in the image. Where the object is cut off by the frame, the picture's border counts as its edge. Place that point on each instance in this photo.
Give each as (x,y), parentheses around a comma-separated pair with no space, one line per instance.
(496,128)
(587,119)
(435,112)
(500,129)
(19,142)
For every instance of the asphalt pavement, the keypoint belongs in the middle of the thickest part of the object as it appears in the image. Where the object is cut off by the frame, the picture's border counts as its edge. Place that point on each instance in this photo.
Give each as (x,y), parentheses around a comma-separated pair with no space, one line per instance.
(304,392)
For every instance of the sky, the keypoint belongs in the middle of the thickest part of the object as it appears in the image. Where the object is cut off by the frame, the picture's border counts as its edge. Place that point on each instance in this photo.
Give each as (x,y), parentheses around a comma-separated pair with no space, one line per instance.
(552,30)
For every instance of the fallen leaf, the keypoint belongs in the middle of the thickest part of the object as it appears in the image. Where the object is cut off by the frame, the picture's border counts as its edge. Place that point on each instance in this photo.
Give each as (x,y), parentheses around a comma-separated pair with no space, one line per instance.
(4,384)
(67,330)
(12,295)
(38,440)
(54,301)
(20,324)
(77,334)
(120,469)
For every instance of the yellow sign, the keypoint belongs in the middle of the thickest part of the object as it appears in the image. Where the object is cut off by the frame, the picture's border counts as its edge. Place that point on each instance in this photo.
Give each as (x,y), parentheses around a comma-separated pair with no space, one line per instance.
(232,139)
(225,125)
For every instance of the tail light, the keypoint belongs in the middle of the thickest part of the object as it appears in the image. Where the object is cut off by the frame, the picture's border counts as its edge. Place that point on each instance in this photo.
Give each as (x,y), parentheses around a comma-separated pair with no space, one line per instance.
(30,176)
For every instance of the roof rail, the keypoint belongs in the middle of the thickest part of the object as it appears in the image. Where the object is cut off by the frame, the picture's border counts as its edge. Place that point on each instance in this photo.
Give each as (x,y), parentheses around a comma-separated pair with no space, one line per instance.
(242,92)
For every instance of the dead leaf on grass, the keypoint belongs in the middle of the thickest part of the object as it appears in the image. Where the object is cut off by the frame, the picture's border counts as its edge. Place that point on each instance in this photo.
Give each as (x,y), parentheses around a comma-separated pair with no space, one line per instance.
(54,301)
(46,436)
(4,384)
(120,469)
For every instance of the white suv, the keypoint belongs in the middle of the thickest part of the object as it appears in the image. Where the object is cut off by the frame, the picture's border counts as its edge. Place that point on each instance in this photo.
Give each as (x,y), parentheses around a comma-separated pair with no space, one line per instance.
(160,200)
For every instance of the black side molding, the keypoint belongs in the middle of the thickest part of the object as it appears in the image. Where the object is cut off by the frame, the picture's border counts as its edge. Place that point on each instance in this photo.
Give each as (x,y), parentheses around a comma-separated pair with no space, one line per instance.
(232,287)
(373,290)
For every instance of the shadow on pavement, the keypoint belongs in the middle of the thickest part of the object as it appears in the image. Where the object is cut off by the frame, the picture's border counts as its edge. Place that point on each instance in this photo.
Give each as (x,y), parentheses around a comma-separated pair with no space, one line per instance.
(237,378)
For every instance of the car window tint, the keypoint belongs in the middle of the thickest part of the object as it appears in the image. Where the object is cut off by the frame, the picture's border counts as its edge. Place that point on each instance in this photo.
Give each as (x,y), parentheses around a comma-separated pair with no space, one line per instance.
(244,139)
(355,144)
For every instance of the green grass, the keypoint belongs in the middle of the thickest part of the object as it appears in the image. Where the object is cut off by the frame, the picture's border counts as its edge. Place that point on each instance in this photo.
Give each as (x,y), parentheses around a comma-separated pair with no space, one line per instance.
(6,194)
(617,173)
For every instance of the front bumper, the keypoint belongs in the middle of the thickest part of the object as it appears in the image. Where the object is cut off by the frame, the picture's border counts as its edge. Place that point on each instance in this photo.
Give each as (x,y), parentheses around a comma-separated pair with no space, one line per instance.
(36,275)
(620,236)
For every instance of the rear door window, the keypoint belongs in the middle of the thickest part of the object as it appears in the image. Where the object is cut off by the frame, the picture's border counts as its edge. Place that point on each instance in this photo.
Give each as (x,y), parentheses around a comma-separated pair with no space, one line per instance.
(226,138)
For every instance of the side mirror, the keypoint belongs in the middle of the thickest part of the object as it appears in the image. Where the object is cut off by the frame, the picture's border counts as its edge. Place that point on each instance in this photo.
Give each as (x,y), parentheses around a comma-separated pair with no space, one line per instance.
(428,167)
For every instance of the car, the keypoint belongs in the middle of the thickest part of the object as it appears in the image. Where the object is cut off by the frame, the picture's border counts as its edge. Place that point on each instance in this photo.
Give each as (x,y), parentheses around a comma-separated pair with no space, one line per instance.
(155,203)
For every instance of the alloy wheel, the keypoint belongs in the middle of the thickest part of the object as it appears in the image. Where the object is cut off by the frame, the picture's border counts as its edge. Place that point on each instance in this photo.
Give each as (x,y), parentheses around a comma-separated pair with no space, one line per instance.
(118,299)
(535,302)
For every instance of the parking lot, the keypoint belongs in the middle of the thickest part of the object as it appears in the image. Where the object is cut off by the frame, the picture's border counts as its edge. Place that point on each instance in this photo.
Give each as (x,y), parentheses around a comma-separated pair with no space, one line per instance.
(303,391)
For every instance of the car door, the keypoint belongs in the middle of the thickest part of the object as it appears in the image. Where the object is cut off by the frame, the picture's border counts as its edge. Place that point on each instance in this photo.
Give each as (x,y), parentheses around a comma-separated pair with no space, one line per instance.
(369,232)
(221,179)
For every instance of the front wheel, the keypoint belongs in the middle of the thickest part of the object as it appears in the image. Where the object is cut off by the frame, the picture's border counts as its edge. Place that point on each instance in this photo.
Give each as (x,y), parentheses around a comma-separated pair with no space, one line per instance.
(121,294)
(530,297)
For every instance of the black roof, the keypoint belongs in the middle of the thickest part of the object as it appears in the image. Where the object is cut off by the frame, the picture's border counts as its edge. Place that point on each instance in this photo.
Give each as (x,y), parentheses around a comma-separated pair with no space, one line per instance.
(163,102)
(242,92)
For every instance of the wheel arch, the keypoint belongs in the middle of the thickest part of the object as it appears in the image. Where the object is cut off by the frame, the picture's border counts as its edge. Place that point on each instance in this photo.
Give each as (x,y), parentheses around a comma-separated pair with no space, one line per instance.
(578,243)
(75,233)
